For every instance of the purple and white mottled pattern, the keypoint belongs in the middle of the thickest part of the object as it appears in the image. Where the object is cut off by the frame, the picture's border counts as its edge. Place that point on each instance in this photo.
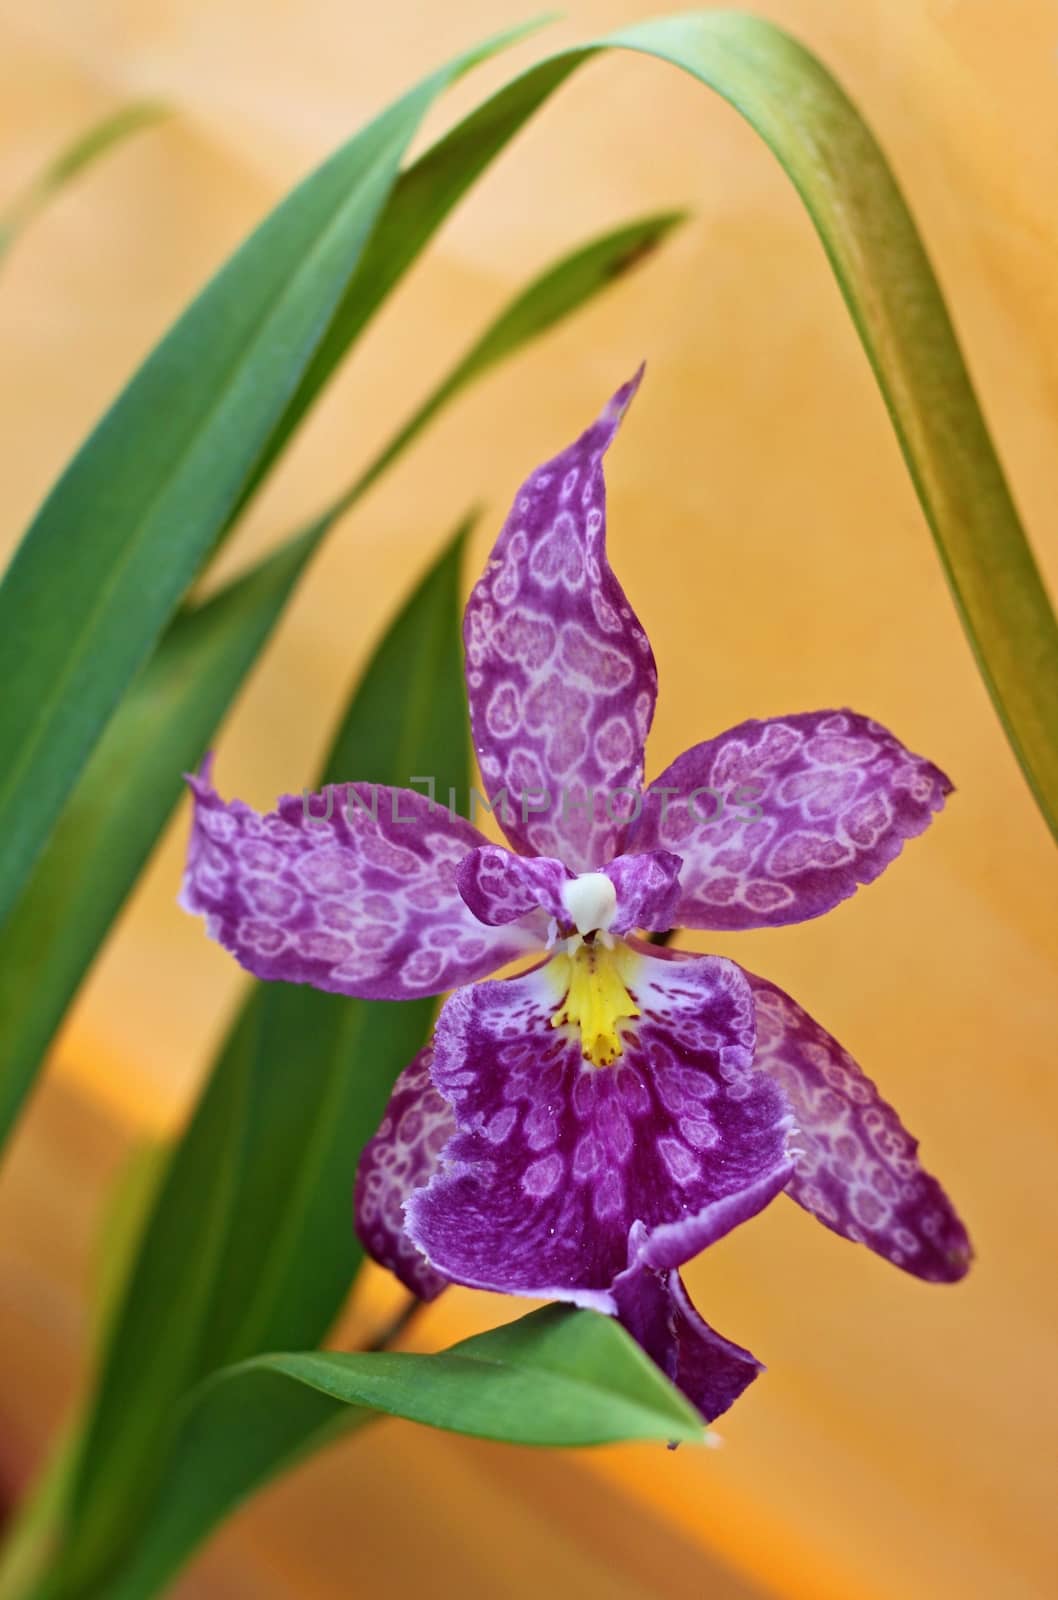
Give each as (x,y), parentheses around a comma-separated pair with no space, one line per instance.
(652,1306)
(648,887)
(857,1170)
(655,1308)
(556,1161)
(500,887)
(806,808)
(402,1155)
(560,673)
(362,901)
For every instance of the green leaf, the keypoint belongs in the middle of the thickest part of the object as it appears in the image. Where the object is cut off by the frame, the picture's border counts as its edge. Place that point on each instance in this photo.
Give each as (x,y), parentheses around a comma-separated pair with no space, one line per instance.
(250,1240)
(563,288)
(115,814)
(557,1377)
(292,1253)
(124,531)
(30,1535)
(152,1354)
(133,780)
(899,312)
(885,276)
(82,152)
(129,1204)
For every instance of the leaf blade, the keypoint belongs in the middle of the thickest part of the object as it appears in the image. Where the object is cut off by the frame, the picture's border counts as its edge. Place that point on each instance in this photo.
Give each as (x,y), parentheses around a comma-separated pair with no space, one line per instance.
(268,1152)
(313,1129)
(557,1378)
(899,311)
(125,529)
(83,151)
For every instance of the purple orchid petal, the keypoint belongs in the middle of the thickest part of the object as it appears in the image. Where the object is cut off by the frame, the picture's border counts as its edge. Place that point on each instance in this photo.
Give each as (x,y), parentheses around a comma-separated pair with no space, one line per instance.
(352,891)
(402,1155)
(648,888)
(858,1171)
(556,1160)
(655,1308)
(652,1306)
(500,887)
(779,821)
(560,674)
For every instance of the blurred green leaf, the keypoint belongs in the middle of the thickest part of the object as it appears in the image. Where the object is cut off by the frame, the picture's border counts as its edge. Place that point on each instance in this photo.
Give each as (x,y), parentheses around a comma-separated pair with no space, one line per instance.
(80,153)
(133,780)
(31,1534)
(557,1377)
(127,526)
(128,1207)
(250,1243)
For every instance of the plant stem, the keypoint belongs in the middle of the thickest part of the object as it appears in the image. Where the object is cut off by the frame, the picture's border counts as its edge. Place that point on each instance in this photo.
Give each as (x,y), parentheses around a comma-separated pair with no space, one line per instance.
(393,1329)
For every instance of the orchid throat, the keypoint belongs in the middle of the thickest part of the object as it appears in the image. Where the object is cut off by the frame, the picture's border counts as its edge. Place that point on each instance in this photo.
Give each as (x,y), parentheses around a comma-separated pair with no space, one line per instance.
(593,969)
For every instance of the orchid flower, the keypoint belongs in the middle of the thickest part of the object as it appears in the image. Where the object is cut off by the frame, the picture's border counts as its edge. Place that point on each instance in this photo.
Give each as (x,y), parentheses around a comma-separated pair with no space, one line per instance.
(581,1129)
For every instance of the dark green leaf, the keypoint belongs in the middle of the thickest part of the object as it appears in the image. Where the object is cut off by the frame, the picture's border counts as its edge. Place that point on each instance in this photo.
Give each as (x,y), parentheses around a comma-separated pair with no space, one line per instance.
(124,531)
(324,1065)
(250,1240)
(557,1377)
(129,1205)
(111,822)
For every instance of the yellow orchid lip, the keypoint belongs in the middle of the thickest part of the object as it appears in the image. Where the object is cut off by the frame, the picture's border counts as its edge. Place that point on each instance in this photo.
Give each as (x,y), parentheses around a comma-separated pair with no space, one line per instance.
(593,977)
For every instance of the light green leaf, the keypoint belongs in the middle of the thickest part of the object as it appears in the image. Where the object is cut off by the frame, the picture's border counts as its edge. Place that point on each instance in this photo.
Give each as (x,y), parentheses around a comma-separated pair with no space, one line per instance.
(133,780)
(84,151)
(558,1377)
(124,531)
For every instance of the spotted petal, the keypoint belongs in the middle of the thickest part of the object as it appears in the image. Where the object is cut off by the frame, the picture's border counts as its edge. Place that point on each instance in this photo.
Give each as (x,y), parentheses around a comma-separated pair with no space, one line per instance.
(352,891)
(402,1156)
(500,887)
(556,1162)
(858,1170)
(648,888)
(653,1306)
(560,674)
(779,821)
(657,1311)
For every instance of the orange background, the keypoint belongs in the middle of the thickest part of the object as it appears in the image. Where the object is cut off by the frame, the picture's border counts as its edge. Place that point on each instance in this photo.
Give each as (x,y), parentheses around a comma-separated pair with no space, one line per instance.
(902,1444)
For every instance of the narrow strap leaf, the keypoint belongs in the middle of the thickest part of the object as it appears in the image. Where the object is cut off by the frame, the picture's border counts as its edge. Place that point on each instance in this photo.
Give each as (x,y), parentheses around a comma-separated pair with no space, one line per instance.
(266,1163)
(123,533)
(82,152)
